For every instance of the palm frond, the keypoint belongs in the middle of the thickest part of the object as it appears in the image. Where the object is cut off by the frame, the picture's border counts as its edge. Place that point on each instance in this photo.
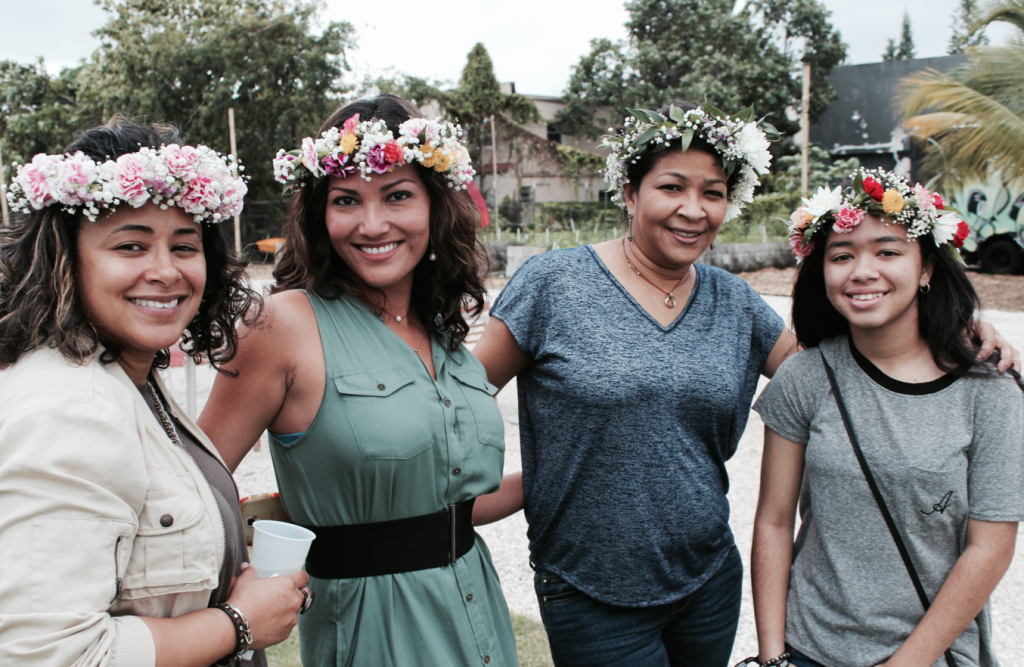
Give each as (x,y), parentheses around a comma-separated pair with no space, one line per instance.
(1007,11)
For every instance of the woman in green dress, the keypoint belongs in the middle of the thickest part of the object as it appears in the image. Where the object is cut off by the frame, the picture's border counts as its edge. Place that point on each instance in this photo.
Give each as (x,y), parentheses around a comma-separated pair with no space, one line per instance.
(384,430)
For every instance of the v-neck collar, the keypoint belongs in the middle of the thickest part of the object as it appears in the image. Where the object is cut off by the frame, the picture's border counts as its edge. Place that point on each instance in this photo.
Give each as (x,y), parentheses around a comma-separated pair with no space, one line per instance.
(697,280)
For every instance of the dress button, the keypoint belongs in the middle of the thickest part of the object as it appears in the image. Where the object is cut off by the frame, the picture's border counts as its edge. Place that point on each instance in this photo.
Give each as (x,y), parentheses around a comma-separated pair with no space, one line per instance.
(469,598)
(457,471)
(447,402)
(166,520)
(381,387)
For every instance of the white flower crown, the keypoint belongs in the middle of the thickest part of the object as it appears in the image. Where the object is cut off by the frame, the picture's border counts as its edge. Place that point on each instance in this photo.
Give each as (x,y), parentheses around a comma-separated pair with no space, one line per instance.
(740,141)
(882,193)
(197,179)
(370,147)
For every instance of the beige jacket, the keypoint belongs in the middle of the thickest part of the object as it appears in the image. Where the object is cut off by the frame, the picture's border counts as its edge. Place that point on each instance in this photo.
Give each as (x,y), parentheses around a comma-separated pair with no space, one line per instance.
(86,474)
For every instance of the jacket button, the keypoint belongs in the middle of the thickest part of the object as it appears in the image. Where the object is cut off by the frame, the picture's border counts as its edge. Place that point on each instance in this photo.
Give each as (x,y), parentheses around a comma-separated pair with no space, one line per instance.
(381,387)
(447,402)
(166,520)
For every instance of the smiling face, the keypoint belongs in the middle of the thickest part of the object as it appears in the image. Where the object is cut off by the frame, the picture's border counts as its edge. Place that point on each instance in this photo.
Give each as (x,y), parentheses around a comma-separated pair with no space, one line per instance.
(140,276)
(679,207)
(380,227)
(873,274)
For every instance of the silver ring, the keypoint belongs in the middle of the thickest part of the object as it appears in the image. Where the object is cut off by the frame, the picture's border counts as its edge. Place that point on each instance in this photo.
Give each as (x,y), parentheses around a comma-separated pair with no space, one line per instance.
(307,600)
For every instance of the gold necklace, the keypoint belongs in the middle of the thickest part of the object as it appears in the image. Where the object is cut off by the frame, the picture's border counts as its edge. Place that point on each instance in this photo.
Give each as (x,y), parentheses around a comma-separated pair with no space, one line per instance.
(670,298)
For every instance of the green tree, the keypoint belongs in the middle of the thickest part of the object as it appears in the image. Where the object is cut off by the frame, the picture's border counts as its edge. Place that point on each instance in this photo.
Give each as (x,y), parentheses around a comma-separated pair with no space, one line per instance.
(704,49)
(975,114)
(962,37)
(905,49)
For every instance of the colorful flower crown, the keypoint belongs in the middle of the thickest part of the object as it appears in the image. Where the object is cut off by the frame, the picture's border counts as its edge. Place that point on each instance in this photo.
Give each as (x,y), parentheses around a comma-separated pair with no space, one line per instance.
(740,141)
(370,147)
(201,181)
(882,193)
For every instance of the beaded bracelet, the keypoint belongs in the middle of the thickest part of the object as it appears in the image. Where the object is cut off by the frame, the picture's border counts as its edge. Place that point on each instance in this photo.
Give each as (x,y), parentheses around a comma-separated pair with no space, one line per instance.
(779,661)
(243,632)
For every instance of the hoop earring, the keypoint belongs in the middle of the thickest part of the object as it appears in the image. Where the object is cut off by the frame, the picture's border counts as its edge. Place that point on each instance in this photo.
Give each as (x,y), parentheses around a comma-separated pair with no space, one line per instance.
(629,229)
(927,287)
(432,257)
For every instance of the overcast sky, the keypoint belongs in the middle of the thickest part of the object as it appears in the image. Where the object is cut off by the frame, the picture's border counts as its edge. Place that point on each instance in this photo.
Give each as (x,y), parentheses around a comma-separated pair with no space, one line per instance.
(532,42)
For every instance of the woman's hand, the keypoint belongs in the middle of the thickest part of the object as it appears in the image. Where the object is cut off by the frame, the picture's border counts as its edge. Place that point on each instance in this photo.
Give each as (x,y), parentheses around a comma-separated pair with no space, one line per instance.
(992,341)
(271,606)
(504,502)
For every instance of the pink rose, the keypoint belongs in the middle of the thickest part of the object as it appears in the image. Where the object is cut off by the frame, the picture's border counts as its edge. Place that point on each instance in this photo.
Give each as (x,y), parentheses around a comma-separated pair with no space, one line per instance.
(349,126)
(800,250)
(180,160)
(377,160)
(939,204)
(199,196)
(800,219)
(36,181)
(414,126)
(393,153)
(130,179)
(337,166)
(847,219)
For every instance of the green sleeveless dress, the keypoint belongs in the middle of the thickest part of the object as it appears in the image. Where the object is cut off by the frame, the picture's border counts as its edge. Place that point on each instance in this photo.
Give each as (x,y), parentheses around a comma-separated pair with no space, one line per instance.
(390,442)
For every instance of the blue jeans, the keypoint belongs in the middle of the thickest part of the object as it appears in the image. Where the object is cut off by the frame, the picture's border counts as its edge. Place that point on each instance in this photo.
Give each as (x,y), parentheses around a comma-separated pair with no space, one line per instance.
(798,659)
(696,631)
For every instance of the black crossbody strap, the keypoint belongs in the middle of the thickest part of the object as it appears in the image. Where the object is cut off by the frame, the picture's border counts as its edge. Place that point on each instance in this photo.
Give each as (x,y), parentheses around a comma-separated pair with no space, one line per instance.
(897,538)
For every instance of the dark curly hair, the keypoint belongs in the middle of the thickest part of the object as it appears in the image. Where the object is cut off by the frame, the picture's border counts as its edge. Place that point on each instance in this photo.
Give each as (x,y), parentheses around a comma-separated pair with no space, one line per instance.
(443,290)
(39,303)
(944,313)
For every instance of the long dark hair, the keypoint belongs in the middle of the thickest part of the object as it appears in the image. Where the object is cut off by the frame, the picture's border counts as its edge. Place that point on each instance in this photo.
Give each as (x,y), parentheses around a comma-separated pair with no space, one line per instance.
(945,313)
(441,290)
(39,303)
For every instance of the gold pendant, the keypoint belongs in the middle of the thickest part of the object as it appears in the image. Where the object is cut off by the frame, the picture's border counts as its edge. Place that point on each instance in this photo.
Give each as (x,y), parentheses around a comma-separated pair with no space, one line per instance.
(670,300)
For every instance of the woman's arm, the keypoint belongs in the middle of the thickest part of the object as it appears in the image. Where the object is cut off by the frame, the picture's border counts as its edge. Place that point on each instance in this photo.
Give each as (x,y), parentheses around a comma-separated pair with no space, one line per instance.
(991,341)
(246,402)
(500,354)
(785,345)
(504,502)
(966,590)
(782,468)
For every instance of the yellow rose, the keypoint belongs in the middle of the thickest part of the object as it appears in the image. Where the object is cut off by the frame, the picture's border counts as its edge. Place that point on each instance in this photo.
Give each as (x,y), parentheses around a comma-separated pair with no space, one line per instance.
(892,202)
(348,143)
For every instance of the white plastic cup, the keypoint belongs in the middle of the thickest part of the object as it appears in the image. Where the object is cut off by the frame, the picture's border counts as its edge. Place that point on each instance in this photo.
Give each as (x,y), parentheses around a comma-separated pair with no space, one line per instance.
(279,547)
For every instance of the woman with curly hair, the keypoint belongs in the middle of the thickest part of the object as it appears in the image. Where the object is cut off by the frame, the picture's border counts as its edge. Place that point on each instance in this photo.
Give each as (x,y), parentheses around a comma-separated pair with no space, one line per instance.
(120,534)
(383,427)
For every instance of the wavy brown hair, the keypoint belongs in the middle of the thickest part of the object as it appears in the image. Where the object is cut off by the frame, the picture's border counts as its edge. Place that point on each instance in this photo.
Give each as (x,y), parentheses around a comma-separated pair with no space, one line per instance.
(442,289)
(39,303)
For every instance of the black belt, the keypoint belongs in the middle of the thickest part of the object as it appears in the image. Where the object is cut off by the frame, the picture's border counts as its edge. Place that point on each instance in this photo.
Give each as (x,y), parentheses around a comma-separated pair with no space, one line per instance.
(390,547)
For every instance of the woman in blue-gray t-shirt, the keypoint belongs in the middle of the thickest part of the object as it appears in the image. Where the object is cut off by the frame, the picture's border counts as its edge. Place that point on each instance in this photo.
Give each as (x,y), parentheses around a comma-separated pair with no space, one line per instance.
(636,369)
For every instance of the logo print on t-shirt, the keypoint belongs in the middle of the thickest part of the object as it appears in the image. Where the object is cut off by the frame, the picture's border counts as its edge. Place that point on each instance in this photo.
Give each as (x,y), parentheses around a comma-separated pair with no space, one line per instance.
(940,506)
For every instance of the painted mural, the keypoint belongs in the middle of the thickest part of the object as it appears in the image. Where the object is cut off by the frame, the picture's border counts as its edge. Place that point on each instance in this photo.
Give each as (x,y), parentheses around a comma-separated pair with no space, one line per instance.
(991,208)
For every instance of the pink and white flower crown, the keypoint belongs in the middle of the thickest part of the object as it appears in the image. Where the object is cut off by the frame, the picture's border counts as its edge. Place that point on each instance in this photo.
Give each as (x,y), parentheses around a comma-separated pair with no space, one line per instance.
(371,148)
(882,193)
(197,179)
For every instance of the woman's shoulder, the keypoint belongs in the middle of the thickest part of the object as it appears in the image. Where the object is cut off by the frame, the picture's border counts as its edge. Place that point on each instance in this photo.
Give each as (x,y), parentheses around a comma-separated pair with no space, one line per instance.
(44,378)
(723,283)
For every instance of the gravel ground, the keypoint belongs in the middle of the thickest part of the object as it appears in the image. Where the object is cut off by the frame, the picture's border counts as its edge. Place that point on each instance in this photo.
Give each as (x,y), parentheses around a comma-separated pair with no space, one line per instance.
(509,546)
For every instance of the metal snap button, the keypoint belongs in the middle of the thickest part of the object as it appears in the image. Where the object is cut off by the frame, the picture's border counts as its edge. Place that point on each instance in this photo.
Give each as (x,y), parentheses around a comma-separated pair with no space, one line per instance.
(447,402)
(381,387)
(469,598)
(457,471)
(166,520)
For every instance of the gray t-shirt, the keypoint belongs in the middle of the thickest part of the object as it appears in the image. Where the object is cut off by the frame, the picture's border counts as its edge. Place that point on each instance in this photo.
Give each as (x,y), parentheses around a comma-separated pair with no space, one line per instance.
(941,452)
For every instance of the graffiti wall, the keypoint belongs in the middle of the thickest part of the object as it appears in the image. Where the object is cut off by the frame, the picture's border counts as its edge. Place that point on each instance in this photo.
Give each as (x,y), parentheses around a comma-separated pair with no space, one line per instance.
(991,208)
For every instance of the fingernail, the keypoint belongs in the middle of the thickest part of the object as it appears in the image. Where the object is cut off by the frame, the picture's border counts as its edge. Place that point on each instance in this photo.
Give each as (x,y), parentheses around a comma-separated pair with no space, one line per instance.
(244,566)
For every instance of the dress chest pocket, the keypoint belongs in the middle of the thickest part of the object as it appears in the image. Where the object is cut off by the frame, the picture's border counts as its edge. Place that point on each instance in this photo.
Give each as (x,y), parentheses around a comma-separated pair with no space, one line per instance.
(479,412)
(388,418)
(173,545)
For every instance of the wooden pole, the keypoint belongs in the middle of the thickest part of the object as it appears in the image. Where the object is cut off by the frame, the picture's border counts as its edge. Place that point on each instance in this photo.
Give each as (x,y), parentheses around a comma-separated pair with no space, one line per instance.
(3,193)
(494,170)
(805,130)
(234,151)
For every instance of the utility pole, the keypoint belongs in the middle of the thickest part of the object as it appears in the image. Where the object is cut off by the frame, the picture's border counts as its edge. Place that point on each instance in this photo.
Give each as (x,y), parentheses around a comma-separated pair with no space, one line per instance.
(805,129)
(234,151)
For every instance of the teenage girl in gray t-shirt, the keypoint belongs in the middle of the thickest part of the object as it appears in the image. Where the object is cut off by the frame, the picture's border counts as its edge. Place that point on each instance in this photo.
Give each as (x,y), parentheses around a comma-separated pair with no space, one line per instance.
(882,298)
